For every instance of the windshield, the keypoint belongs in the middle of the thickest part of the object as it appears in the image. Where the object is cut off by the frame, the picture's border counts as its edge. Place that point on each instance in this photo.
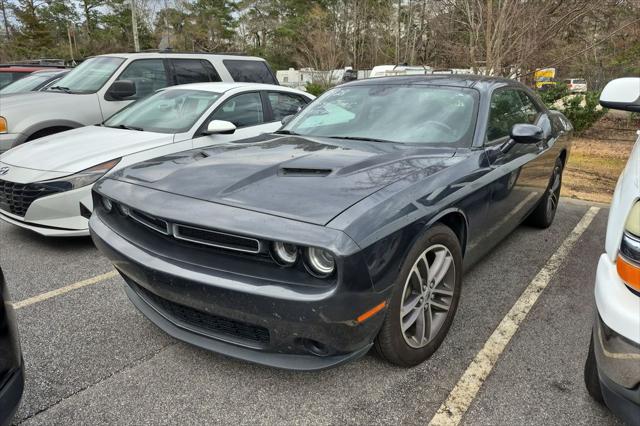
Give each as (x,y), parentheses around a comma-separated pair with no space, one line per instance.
(417,114)
(89,76)
(26,84)
(167,111)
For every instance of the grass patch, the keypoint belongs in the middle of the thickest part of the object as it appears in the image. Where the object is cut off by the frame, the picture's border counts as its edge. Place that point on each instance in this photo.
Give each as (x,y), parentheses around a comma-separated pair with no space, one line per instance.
(593,169)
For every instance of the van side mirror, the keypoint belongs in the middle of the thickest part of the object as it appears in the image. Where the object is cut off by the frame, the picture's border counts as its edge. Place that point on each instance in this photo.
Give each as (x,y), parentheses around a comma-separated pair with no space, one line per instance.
(622,93)
(122,89)
(220,127)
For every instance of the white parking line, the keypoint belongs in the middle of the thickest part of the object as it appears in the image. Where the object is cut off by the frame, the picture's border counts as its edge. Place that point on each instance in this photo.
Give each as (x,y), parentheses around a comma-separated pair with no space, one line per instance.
(60,291)
(465,391)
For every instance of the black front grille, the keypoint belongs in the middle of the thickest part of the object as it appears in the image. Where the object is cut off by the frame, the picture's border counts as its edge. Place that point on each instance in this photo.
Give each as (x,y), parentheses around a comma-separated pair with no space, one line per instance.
(195,235)
(16,198)
(204,321)
(216,239)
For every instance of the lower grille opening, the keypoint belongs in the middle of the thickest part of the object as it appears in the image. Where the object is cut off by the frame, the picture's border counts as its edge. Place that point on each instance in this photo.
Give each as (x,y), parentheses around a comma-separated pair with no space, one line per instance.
(16,198)
(205,321)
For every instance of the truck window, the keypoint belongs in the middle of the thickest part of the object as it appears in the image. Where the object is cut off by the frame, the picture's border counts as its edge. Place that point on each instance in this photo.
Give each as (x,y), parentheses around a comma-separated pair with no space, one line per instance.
(194,71)
(249,71)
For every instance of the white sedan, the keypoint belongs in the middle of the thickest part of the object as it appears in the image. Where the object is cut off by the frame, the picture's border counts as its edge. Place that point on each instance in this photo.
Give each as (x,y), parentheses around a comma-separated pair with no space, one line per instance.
(612,370)
(45,185)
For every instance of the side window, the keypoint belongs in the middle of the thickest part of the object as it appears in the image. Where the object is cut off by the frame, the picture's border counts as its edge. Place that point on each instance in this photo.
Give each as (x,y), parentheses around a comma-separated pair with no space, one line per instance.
(283,104)
(194,71)
(529,108)
(148,75)
(242,110)
(249,71)
(506,110)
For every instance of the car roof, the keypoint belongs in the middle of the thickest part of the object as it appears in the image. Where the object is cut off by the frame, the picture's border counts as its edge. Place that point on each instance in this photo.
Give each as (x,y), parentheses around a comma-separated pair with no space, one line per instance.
(147,55)
(221,87)
(456,80)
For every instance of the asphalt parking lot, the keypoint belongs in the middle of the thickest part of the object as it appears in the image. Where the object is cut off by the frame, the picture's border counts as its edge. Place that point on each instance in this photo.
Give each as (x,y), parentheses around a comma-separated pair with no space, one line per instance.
(91,358)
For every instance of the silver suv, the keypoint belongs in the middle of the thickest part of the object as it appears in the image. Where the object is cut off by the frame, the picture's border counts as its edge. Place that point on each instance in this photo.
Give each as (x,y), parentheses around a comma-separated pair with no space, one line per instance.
(102,85)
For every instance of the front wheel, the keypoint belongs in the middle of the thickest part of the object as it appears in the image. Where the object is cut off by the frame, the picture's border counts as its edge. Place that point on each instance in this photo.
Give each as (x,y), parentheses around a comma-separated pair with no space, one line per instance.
(545,212)
(424,300)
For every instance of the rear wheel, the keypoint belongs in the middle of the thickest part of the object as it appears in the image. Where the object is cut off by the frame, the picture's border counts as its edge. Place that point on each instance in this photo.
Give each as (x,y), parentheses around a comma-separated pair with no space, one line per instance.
(424,301)
(545,212)
(591,379)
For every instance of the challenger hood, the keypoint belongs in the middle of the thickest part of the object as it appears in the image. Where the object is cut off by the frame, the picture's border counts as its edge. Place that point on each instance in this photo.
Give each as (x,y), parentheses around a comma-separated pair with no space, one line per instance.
(306,179)
(78,149)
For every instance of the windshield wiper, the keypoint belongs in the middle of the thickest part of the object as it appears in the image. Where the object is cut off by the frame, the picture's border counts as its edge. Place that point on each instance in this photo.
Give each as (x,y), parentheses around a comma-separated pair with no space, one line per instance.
(285,132)
(124,126)
(360,138)
(60,88)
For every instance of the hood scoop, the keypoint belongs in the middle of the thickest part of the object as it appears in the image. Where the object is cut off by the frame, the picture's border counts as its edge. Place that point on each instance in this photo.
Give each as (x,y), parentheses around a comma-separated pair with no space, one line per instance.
(303,172)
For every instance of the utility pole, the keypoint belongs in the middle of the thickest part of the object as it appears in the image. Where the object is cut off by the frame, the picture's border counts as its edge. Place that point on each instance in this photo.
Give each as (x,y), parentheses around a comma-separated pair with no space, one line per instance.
(398,34)
(69,29)
(134,24)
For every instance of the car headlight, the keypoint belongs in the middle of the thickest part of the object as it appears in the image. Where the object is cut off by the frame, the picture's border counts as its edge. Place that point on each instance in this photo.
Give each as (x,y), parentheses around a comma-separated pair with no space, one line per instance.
(83,178)
(4,127)
(321,262)
(628,262)
(284,253)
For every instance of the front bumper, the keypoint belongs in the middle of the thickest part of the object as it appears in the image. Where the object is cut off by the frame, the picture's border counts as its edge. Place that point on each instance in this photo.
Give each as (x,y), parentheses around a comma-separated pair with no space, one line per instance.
(306,328)
(618,361)
(616,336)
(57,215)
(10,395)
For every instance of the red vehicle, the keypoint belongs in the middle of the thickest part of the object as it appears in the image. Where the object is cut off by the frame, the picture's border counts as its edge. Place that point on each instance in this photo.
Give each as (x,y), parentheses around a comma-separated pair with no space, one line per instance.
(11,73)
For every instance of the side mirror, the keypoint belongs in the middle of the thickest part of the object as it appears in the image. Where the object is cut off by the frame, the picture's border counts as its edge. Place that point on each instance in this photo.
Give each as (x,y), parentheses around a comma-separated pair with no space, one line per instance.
(527,133)
(286,119)
(122,89)
(220,127)
(622,93)
(523,133)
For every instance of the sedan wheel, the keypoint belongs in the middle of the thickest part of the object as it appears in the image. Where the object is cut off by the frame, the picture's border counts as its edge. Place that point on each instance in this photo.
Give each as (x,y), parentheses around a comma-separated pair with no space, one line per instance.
(424,299)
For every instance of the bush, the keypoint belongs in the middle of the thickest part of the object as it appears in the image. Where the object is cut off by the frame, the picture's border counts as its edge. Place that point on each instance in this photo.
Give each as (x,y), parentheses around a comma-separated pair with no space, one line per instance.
(316,89)
(582,109)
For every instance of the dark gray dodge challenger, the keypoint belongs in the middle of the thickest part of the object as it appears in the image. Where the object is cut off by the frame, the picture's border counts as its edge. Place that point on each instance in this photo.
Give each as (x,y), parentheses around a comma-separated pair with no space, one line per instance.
(348,228)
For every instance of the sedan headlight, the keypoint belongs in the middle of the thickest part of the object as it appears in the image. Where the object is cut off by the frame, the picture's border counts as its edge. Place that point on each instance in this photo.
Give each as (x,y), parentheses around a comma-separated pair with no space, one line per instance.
(83,178)
(4,128)
(628,262)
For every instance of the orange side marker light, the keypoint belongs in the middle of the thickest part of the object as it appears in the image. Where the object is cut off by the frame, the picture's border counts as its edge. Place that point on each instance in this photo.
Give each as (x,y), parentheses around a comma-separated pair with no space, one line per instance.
(371,312)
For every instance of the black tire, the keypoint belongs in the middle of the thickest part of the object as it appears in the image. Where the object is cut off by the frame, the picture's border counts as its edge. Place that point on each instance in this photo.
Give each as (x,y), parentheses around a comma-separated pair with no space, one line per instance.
(391,343)
(591,378)
(542,216)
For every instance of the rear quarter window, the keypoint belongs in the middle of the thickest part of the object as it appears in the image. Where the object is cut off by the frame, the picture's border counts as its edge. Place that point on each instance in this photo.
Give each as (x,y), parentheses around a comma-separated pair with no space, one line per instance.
(249,71)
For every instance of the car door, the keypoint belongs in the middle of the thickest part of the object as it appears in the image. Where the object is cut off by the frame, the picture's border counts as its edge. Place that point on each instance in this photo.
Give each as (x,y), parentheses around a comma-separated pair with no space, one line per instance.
(148,75)
(520,173)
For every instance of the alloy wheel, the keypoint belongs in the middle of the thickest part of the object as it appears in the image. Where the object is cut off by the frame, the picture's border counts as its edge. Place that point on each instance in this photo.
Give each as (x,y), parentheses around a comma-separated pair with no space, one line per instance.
(554,192)
(427,296)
